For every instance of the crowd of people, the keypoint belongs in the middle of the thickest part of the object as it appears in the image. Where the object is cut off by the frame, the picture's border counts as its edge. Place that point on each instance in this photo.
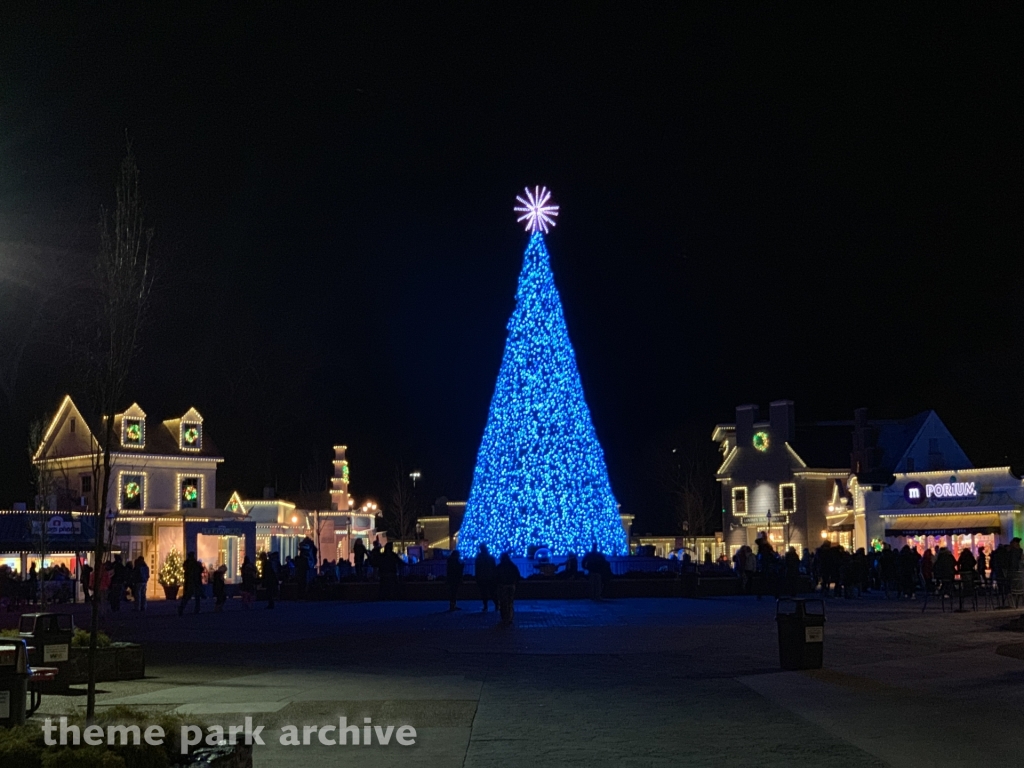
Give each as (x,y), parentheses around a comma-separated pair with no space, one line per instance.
(836,571)
(56,581)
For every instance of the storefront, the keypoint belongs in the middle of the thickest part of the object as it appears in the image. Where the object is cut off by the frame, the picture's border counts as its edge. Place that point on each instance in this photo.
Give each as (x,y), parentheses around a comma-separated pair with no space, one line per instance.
(67,539)
(966,509)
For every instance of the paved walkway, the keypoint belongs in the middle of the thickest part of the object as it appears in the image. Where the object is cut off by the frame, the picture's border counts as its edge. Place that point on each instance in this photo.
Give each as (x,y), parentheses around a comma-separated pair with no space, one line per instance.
(624,683)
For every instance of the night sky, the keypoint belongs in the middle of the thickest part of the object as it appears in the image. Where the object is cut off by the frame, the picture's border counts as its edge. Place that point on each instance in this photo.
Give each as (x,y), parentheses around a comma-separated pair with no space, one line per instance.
(810,202)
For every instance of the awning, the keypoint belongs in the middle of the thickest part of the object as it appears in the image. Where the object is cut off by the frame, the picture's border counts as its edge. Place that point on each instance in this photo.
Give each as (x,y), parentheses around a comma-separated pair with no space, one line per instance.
(841,522)
(938,525)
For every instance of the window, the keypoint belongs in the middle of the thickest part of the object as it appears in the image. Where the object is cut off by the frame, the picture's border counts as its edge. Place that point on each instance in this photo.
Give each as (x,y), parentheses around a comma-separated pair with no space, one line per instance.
(133,491)
(739,501)
(191,436)
(134,433)
(86,484)
(189,493)
(72,425)
(787,498)
(933,445)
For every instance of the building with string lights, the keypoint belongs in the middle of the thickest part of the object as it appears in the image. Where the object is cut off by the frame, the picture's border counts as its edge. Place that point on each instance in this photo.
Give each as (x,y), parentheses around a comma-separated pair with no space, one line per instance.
(858,483)
(162,488)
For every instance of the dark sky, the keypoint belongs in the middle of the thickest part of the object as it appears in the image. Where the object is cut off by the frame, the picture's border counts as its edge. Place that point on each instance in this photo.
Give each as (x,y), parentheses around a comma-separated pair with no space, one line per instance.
(818,203)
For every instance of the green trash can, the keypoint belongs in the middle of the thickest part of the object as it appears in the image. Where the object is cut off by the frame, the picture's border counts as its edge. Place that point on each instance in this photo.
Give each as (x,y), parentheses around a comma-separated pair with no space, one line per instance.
(49,635)
(801,633)
(13,681)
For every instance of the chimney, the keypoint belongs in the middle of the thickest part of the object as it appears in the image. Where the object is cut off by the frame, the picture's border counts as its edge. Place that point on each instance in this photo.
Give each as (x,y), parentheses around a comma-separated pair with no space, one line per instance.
(268,492)
(782,419)
(746,415)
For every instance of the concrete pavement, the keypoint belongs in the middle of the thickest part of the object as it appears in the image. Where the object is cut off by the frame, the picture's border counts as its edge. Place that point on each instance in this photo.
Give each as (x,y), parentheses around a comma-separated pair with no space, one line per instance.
(630,682)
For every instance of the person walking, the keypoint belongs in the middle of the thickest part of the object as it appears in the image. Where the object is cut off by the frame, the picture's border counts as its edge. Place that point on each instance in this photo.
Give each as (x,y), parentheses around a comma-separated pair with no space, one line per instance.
(193,583)
(220,590)
(483,569)
(249,578)
(507,576)
(141,572)
(453,574)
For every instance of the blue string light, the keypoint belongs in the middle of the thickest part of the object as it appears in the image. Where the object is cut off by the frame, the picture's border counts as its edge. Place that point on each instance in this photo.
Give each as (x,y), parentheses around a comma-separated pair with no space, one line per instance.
(540,475)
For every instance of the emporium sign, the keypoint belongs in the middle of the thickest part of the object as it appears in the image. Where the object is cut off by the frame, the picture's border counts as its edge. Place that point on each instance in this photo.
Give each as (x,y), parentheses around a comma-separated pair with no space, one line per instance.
(916,493)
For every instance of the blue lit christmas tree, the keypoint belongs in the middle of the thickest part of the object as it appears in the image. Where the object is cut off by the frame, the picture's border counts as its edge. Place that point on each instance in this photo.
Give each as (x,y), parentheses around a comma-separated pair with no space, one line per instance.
(540,475)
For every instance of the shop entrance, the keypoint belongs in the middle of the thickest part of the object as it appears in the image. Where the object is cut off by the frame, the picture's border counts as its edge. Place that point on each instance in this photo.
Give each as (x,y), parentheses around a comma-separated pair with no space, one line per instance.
(222,542)
(214,551)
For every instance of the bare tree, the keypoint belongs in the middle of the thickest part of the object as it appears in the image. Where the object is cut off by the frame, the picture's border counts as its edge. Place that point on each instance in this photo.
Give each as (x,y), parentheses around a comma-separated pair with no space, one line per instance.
(123,283)
(688,476)
(400,511)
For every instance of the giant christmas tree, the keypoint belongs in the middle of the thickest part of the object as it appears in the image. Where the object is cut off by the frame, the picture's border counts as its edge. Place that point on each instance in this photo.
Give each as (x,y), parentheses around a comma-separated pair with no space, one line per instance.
(540,475)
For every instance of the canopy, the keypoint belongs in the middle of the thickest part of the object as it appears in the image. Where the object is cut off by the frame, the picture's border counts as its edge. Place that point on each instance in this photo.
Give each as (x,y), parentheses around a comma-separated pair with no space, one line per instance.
(937,525)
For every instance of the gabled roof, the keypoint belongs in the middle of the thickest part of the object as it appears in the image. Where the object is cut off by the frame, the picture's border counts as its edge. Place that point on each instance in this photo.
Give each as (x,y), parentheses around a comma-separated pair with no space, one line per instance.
(160,439)
(67,410)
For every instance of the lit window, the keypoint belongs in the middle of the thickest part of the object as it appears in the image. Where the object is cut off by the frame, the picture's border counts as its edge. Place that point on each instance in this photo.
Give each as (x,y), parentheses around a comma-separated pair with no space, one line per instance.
(190,493)
(788,498)
(739,501)
(133,488)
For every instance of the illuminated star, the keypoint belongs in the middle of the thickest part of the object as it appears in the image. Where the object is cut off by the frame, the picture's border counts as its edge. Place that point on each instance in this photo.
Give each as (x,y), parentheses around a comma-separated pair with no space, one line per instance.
(536,212)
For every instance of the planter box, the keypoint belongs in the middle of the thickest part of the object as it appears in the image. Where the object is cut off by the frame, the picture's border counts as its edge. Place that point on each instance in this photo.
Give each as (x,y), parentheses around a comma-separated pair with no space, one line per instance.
(125,661)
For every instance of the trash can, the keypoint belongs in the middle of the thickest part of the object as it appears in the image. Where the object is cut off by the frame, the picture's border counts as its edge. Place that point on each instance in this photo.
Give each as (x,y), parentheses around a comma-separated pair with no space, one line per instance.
(801,633)
(49,636)
(13,681)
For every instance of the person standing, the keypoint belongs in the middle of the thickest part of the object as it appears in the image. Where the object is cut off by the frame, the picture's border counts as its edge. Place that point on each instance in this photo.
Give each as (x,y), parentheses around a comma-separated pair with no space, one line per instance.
(85,574)
(484,572)
(268,575)
(359,552)
(32,582)
(387,565)
(453,573)
(507,576)
(249,578)
(982,566)
(141,582)
(193,583)
(595,564)
(117,586)
(220,590)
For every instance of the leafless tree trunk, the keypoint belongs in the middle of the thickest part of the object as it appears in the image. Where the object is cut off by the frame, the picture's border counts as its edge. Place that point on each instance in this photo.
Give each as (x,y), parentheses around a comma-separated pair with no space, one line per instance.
(688,478)
(400,512)
(124,280)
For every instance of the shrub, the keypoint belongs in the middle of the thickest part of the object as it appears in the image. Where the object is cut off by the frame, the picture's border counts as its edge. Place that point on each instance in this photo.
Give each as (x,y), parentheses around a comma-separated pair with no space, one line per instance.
(81,639)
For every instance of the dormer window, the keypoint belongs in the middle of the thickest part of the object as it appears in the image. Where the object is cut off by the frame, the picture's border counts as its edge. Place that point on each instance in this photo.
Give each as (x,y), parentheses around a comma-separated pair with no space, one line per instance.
(133,427)
(133,435)
(190,431)
(191,436)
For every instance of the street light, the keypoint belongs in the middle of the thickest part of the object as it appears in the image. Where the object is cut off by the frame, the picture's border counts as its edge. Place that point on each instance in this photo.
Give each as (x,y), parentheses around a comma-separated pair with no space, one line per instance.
(415,475)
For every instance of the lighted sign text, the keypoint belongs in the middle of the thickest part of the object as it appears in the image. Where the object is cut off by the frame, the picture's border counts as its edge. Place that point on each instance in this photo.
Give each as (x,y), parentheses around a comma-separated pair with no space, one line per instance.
(916,493)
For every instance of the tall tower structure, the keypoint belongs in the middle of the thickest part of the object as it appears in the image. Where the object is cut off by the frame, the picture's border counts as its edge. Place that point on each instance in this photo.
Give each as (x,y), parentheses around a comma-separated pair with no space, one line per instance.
(340,500)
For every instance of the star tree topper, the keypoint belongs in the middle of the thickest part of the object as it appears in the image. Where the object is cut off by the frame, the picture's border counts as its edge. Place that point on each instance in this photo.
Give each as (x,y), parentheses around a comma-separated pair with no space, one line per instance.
(536,209)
